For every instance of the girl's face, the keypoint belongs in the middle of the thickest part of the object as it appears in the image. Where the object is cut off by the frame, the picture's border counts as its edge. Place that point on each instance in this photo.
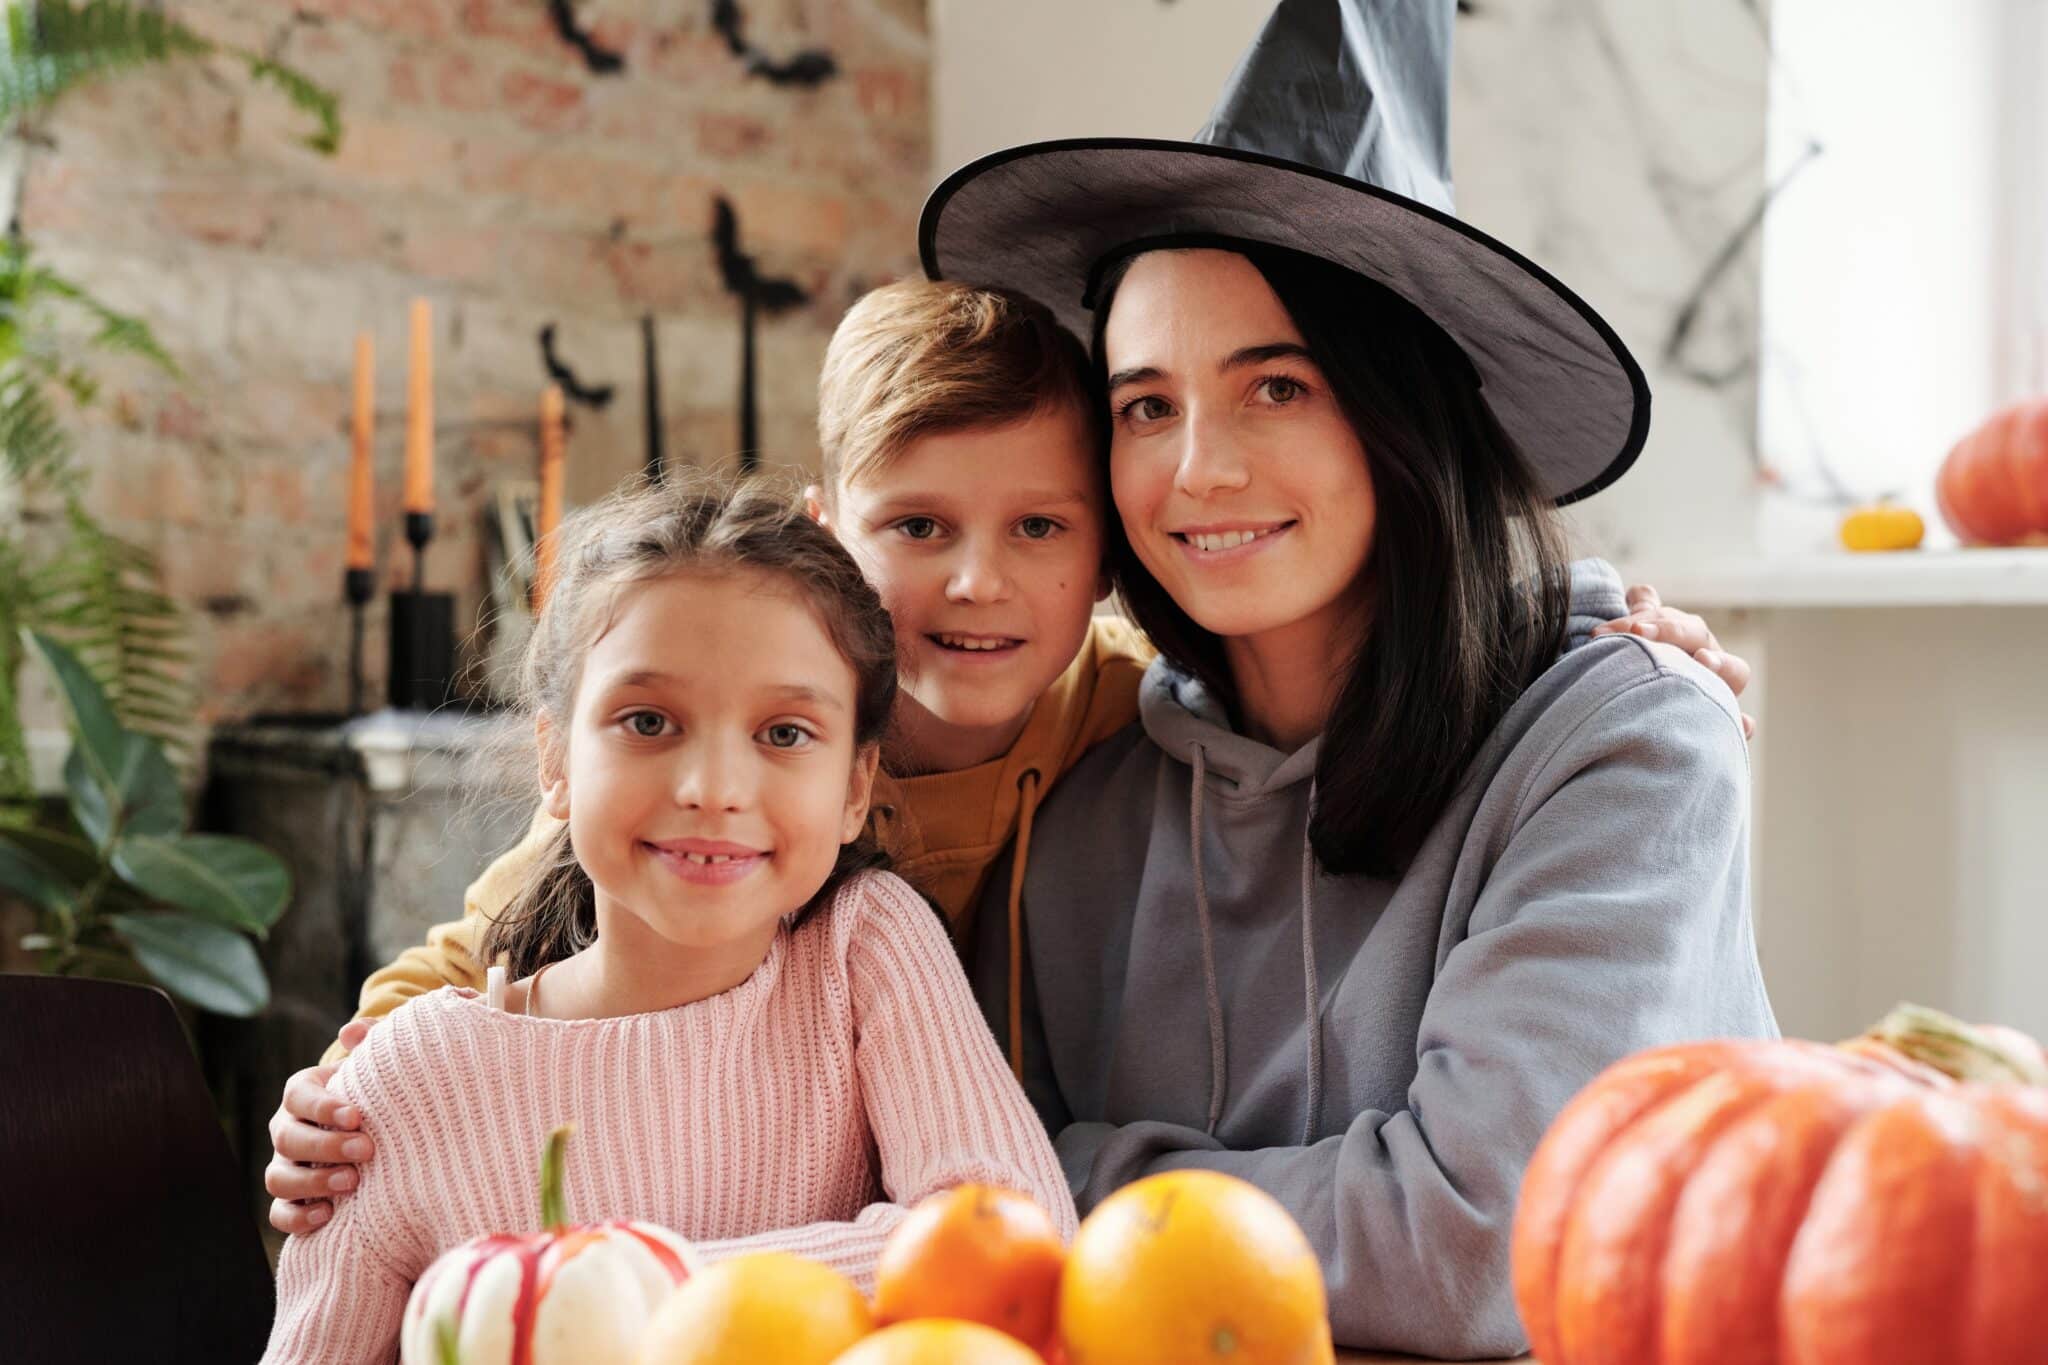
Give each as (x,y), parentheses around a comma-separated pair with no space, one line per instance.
(1242,486)
(986,546)
(710,773)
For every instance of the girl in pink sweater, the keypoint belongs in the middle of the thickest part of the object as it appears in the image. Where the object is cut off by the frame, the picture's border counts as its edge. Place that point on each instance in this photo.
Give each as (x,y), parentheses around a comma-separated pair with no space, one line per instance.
(765,1041)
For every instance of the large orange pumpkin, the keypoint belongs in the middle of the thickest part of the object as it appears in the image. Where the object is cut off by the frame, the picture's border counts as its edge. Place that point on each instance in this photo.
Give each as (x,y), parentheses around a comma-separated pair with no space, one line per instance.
(1876,1203)
(1993,487)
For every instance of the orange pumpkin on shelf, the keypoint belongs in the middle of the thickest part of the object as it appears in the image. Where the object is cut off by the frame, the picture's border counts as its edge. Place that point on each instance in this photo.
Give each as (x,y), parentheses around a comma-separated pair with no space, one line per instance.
(1993,487)
(1882,1201)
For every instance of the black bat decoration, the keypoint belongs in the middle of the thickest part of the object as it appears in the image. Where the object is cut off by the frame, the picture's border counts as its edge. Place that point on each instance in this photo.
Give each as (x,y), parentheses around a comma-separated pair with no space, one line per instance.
(808,68)
(602,61)
(757,295)
(770,295)
(560,372)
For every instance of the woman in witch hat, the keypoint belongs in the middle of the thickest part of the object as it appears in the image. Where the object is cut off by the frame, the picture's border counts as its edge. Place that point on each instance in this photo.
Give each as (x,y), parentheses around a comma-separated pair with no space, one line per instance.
(1385,872)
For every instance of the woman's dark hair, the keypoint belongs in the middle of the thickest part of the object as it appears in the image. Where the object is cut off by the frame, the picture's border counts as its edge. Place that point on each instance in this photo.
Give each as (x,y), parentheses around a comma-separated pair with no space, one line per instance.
(679,527)
(1466,582)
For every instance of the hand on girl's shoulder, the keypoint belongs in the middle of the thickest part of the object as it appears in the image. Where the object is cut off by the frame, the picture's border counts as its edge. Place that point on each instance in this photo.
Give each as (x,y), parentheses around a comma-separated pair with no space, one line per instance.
(393,1046)
(1614,664)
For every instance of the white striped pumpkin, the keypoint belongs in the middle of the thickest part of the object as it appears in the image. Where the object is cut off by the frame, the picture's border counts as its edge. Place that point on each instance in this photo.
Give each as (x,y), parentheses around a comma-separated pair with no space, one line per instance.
(559,1297)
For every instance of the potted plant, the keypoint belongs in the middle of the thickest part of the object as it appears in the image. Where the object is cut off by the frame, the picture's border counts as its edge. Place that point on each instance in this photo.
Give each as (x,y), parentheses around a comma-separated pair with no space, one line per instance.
(120,889)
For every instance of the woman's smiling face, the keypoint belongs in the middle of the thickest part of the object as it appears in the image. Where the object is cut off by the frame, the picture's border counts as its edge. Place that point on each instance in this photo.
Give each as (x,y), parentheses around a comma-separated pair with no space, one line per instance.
(1242,485)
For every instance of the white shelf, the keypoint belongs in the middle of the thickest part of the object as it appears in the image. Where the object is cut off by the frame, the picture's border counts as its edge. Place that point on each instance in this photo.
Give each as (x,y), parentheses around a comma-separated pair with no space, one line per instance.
(1904,578)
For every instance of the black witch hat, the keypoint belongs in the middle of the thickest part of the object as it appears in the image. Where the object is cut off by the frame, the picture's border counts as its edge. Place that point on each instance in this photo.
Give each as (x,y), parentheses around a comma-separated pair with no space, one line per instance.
(1331,138)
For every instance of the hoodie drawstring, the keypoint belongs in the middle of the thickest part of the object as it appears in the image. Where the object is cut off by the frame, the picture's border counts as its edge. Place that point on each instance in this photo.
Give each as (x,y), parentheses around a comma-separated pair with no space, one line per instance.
(1308,974)
(1217,1070)
(1027,788)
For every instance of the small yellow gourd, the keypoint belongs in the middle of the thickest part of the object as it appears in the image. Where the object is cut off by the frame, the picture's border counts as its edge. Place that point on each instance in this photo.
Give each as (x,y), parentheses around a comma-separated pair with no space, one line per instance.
(1882,527)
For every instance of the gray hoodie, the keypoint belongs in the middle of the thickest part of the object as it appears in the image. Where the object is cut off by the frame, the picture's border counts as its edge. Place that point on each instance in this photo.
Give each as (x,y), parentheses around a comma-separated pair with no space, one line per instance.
(1382,1056)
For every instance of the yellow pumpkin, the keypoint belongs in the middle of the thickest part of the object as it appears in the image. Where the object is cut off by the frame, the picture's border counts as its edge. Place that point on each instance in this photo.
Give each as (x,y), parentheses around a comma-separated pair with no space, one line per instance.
(1882,527)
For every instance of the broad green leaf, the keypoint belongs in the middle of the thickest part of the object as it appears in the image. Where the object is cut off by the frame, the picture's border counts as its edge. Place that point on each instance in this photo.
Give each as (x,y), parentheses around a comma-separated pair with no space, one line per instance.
(93,725)
(229,881)
(145,799)
(214,968)
(29,877)
(64,853)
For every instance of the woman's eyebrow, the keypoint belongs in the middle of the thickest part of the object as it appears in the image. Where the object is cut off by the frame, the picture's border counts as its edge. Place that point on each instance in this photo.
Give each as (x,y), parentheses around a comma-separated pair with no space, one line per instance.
(1259,355)
(1238,359)
(1143,374)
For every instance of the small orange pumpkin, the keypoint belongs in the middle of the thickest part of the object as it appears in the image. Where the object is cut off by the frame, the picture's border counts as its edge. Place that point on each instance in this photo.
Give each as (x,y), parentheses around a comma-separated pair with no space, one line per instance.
(1993,487)
(1881,526)
(1883,1201)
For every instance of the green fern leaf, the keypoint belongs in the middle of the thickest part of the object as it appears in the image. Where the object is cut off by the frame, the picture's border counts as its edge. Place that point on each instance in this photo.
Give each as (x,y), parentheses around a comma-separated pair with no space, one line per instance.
(306,96)
(17,782)
(53,45)
(99,596)
(35,450)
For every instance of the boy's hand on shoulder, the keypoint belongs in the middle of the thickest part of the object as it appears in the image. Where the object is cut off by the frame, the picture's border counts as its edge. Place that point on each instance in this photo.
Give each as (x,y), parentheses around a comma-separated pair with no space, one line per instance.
(1649,619)
(315,1147)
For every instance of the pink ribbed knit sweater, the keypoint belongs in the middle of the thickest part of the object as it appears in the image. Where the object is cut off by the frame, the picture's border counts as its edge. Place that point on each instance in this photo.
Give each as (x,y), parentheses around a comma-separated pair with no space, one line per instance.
(803,1110)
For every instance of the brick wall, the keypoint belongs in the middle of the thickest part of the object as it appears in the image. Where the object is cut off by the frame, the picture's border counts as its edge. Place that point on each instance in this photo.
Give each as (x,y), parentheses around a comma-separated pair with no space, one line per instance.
(486,168)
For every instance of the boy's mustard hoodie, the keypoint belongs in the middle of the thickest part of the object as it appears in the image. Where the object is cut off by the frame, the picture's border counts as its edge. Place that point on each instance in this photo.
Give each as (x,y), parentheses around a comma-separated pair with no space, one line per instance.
(944,831)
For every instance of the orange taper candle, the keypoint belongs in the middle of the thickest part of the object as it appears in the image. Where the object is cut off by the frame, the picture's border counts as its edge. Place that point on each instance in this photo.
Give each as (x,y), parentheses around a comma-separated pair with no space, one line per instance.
(550,493)
(362,486)
(419,412)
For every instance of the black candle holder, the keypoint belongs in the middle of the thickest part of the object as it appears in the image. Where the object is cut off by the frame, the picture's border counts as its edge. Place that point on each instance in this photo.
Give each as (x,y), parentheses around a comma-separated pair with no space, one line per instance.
(422,631)
(357,587)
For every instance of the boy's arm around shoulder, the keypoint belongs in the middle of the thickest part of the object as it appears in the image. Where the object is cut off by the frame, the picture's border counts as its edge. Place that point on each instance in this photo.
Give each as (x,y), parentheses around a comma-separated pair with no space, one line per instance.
(452,955)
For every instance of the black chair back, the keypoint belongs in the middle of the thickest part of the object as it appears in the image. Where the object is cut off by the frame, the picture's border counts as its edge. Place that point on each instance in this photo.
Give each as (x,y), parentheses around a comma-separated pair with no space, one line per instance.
(123,1233)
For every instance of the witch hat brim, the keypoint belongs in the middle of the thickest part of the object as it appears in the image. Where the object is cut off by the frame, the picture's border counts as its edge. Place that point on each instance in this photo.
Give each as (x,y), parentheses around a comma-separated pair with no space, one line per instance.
(1043,220)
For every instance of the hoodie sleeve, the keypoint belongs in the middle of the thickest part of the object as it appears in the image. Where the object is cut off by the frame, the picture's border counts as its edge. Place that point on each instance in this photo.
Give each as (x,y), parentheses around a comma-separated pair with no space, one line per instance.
(1614,917)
